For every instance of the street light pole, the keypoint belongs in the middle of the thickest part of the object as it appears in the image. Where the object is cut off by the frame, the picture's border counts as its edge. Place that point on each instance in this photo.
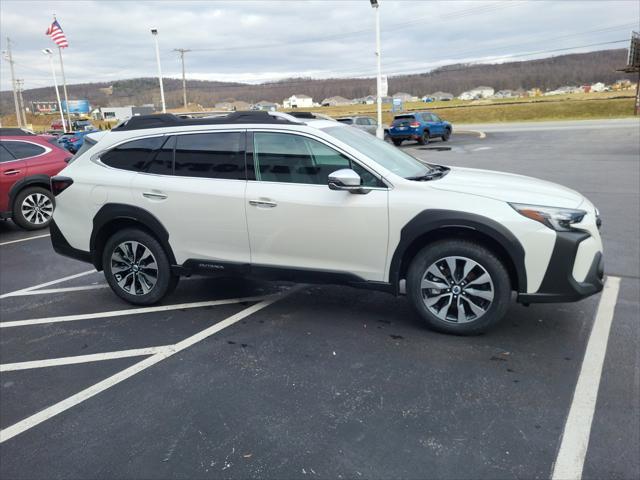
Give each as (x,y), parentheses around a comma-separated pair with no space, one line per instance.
(182,51)
(49,53)
(154,32)
(380,129)
(9,59)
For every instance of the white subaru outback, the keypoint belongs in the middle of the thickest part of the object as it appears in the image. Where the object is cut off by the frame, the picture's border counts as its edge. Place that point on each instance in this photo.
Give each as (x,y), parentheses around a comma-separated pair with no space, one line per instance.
(265,194)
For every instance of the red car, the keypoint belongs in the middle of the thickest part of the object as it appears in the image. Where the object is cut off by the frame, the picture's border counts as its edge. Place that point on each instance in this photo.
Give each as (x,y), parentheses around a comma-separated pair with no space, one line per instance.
(27,162)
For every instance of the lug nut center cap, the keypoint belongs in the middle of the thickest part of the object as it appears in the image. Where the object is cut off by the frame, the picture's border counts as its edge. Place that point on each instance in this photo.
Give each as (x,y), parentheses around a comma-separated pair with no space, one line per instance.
(456,290)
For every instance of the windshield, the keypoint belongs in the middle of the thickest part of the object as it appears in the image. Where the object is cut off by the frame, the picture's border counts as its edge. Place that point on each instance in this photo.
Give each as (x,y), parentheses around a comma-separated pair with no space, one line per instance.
(390,157)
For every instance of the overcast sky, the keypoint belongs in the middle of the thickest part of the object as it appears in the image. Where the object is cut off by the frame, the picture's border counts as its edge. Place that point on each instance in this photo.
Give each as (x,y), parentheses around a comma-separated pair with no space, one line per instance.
(267,40)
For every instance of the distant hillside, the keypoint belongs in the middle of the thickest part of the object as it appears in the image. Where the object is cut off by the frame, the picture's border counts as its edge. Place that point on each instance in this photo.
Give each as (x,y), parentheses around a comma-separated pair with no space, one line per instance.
(548,73)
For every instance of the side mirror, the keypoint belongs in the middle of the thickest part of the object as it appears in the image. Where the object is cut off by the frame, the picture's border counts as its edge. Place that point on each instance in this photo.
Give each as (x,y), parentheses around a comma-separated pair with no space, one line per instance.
(346,179)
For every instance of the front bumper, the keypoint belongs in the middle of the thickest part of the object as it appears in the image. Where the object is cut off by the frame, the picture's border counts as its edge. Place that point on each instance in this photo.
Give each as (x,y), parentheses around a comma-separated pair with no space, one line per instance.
(559,284)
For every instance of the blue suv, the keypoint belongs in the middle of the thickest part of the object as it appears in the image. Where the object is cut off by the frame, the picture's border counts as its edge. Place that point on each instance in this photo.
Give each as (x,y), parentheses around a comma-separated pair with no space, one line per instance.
(420,126)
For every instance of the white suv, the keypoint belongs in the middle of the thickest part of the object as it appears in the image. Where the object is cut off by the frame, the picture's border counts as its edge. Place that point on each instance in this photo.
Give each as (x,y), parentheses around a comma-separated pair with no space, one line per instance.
(265,194)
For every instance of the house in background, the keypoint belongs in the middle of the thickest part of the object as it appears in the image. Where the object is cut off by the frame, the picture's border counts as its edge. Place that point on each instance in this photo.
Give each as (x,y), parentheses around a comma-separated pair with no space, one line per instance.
(335,101)
(121,113)
(265,106)
(598,87)
(405,97)
(503,94)
(298,101)
(441,96)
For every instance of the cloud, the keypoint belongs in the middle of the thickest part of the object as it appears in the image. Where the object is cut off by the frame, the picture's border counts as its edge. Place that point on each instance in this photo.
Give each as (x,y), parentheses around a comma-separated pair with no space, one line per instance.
(256,40)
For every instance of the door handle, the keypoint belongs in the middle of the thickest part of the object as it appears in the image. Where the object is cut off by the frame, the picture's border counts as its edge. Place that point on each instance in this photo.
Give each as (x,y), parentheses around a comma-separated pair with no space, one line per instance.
(155,195)
(263,203)
(12,172)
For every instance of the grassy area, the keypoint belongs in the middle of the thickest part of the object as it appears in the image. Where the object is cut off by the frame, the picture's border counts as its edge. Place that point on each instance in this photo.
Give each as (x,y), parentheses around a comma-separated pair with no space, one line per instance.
(561,107)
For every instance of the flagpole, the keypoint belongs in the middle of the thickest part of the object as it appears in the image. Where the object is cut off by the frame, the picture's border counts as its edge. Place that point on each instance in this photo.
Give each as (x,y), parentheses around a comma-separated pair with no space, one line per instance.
(49,53)
(64,88)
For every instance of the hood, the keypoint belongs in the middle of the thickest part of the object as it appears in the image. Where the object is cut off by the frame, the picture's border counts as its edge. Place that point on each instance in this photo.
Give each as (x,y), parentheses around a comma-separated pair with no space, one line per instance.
(508,187)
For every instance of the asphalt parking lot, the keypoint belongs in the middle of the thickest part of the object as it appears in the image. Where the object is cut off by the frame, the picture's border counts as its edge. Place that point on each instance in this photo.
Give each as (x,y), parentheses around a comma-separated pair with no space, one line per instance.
(243,379)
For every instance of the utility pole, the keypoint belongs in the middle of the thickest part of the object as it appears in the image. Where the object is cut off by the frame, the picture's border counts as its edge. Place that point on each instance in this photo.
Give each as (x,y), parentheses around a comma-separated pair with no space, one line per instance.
(19,85)
(154,32)
(380,129)
(9,58)
(182,51)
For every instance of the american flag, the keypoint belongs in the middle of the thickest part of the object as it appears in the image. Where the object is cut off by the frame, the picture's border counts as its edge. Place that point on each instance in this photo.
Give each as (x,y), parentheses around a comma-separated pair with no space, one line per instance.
(57,35)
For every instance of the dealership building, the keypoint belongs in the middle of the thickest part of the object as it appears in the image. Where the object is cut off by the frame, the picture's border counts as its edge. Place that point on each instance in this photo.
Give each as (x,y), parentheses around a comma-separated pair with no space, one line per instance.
(121,113)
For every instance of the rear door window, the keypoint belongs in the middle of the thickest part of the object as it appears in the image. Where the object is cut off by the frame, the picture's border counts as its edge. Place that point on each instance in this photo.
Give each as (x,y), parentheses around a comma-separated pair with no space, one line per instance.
(23,149)
(211,155)
(162,162)
(133,155)
(5,155)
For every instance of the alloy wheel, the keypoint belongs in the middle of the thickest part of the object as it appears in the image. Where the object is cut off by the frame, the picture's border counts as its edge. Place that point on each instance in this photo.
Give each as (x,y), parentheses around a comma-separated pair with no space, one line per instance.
(134,267)
(37,208)
(457,289)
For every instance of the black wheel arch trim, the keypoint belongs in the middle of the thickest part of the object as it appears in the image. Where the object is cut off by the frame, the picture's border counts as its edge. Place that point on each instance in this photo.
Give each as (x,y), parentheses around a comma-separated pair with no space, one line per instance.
(112,212)
(35,180)
(437,220)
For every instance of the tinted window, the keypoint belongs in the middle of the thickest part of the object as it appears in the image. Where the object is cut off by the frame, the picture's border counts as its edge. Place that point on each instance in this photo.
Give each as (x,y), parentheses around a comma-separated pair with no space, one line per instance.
(211,155)
(362,121)
(162,162)
(5,156)
(289,158)
(435,118)
(23,149)
(132,155)
(347,121)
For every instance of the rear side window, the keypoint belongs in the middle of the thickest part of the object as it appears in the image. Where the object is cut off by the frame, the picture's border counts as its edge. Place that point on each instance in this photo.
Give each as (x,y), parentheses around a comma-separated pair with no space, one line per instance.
(5,156)
(23,149)
(363,121)
(133,155)
(346,121)
(86,145)
(211,155)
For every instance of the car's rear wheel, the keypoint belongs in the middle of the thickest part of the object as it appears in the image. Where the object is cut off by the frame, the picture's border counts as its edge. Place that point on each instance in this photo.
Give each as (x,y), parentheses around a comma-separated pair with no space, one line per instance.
(424,139)
(447,134)
(397,142)
(458,287)
(33,208)
(137,268)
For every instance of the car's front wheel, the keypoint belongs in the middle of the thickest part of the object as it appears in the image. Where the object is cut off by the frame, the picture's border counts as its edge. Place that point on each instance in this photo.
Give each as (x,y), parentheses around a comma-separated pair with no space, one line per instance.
(137,267)
(447,134)
(458,287)
(33,208)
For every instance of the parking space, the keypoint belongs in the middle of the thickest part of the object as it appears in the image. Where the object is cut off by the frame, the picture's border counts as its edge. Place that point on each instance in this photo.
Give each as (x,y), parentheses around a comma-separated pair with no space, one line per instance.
(244,379)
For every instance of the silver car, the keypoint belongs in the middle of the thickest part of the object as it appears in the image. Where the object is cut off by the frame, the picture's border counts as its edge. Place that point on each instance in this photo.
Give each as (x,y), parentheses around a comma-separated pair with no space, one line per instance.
(367,124)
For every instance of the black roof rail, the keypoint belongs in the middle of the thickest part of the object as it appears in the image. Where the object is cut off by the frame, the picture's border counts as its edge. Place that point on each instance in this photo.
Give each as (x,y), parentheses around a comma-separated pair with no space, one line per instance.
(162,120)
(15,132)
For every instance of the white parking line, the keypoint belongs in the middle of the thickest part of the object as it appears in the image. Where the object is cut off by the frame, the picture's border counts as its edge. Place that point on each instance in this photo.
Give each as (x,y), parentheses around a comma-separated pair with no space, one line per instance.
(87,393)
(96,357)
(46,291)
(130,311)
(24,239)
(46,284)
(577,429)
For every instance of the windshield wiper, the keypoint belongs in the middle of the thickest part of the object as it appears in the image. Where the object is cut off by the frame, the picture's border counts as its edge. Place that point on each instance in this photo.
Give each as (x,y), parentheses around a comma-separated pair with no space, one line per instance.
(436,171)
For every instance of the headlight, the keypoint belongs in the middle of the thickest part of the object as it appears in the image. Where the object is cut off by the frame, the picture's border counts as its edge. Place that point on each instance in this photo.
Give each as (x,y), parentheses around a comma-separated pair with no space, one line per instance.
(559,219)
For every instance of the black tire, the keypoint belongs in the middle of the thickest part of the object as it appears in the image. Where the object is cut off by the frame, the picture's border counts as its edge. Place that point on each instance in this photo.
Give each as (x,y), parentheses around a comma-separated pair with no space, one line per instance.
(487,260)
(33,208)
(396,141)
(447,134)
(424,139)
(166,281)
